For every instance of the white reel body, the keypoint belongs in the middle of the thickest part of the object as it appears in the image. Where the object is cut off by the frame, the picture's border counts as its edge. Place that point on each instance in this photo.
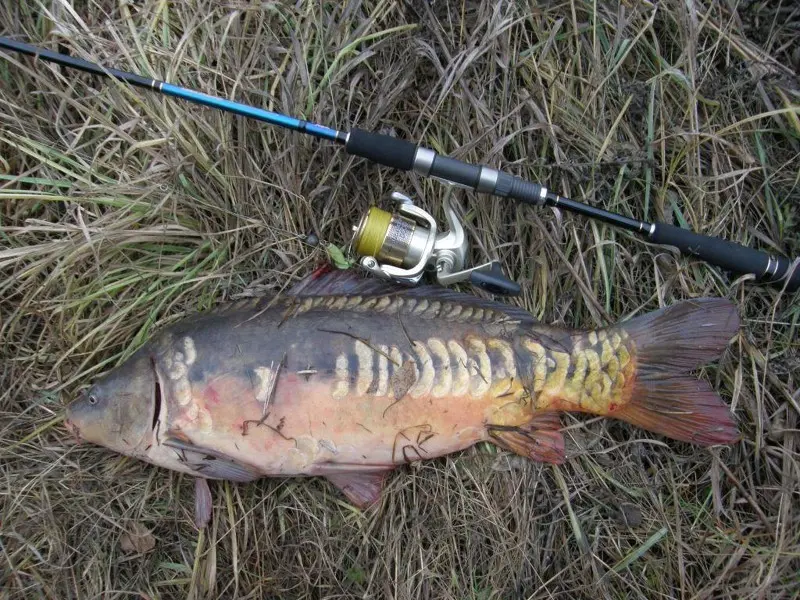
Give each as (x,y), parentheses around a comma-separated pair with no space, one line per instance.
(403,245)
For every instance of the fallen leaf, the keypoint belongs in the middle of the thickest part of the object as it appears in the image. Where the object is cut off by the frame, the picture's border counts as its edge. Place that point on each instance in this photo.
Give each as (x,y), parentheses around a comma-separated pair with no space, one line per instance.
(202,502)
(403,379)
(137,539)
(628,514)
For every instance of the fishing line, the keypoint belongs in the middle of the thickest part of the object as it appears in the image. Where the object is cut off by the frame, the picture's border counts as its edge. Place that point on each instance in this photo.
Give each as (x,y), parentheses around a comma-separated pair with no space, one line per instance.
(407,156)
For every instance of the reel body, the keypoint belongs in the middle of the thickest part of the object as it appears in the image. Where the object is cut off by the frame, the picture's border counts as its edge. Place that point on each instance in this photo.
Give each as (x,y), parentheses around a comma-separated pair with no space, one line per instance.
(403,245)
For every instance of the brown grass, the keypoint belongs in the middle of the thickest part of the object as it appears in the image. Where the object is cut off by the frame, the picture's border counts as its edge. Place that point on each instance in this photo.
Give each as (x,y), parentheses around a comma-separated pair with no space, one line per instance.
(122,211)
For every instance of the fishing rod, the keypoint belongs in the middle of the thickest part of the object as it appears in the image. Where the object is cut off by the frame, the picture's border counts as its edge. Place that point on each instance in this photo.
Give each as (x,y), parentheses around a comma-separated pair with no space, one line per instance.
(401,246)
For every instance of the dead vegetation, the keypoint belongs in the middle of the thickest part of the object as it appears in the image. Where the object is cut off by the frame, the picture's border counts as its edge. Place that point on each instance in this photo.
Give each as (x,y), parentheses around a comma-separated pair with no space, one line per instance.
(123,210)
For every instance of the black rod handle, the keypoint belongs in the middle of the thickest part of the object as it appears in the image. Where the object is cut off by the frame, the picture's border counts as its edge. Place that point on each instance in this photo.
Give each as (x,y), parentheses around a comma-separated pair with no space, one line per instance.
(729,256)
(382,149)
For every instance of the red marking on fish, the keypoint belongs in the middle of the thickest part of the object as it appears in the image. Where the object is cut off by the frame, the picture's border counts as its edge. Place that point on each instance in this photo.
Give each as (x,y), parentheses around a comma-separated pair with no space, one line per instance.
(211,395)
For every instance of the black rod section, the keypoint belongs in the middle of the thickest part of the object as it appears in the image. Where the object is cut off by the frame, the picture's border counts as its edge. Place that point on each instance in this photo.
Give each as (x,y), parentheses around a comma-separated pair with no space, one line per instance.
(400,154)
(721,253)
(729,256)
(76,63)
(556,201)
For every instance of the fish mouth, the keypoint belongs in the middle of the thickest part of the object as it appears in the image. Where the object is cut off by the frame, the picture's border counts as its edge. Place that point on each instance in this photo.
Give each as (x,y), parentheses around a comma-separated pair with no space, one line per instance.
(73,429)
(69,413)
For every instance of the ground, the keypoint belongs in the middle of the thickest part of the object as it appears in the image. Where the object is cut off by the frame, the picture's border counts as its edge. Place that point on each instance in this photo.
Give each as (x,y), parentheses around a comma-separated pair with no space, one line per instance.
(123,210)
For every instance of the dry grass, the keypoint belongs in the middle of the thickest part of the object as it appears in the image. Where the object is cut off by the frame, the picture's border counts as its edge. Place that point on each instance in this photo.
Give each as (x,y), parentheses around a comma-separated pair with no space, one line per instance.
(123,210)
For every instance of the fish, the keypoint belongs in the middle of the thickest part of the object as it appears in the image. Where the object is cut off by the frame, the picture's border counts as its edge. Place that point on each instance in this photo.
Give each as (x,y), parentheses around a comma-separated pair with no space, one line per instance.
(349,377)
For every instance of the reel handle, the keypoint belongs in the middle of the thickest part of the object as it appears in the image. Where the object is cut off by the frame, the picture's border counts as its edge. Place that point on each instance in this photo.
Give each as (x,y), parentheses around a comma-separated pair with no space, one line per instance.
(494,281)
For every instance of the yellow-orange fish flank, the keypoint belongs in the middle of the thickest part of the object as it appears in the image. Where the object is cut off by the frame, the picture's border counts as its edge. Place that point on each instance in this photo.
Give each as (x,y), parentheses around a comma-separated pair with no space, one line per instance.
(347,377)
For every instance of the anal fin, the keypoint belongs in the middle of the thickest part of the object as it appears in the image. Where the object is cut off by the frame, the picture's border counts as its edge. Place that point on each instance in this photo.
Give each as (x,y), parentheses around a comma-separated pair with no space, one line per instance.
(540,439)
(361,488)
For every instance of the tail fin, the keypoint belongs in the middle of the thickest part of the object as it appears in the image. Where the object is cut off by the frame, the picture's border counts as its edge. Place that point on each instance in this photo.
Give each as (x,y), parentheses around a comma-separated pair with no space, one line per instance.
(668,343)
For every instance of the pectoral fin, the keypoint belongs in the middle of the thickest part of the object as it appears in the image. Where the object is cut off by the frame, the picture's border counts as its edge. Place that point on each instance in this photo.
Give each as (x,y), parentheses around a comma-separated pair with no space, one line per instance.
(539,439)
(362,489)
(211,464)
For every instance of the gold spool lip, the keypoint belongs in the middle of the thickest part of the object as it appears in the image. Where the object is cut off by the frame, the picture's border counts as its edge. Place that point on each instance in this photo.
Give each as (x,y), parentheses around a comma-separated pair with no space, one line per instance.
(359,229)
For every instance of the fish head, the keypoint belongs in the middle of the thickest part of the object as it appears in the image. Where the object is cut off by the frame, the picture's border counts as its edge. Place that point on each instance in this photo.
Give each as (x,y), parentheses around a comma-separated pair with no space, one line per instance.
(121,410)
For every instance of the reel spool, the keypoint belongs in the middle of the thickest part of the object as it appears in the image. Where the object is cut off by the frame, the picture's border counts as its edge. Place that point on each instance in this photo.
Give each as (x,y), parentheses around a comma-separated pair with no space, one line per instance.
(403,245)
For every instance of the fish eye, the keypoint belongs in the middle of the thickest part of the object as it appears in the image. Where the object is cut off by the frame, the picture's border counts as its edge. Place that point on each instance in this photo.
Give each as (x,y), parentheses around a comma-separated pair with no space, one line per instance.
(92,399)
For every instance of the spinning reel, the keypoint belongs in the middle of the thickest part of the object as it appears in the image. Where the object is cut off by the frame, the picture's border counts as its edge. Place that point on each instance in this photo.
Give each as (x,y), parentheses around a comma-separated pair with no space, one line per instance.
(402,246)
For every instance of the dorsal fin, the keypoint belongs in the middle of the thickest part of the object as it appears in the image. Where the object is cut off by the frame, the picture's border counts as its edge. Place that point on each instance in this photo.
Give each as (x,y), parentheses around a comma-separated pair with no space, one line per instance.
(231,306)
(327,281)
